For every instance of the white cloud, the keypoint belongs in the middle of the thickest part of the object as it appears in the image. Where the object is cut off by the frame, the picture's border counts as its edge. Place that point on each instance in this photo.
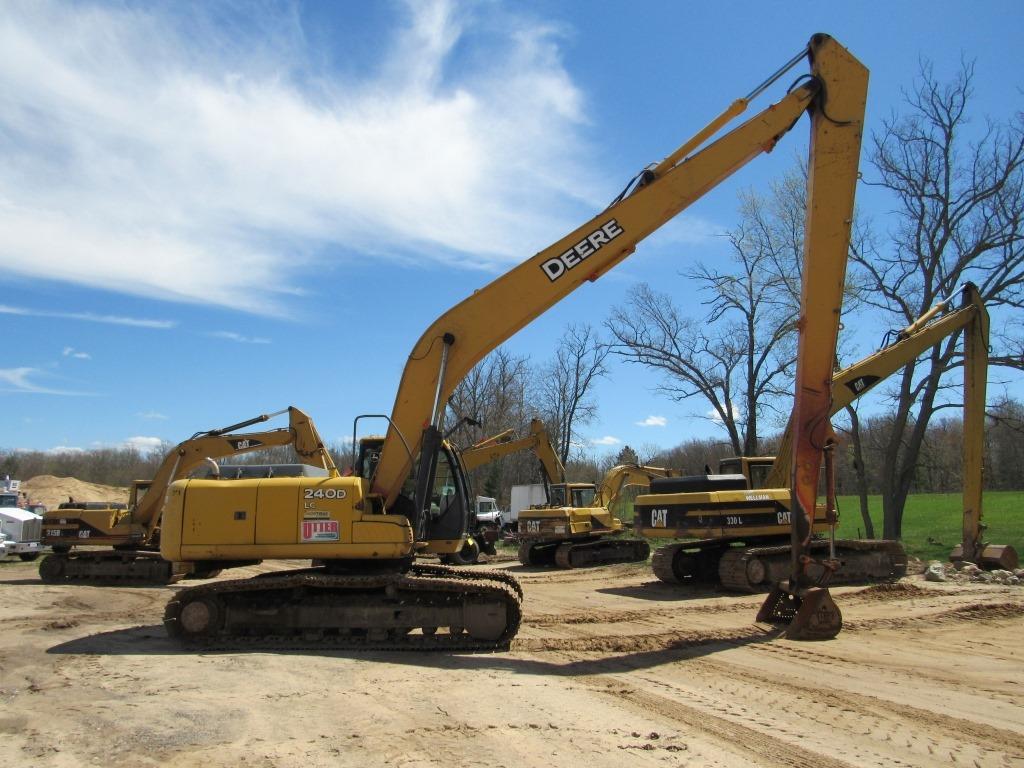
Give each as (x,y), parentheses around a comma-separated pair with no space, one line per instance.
(232,336)
(652,421)
(606,440)
(143,444)
(85,316)
(168,156)
(72,352)
(151,415)
(65,449)
(21,380)
(715,417)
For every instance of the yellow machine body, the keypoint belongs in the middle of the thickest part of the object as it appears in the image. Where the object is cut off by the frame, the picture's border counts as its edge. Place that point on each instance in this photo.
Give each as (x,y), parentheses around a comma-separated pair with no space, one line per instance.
(572,511)
(308,517)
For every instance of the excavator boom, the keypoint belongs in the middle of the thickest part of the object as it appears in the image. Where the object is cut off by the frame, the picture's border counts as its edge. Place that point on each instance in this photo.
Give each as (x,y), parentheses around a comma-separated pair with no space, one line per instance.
(619,477)
(461,337)
(538,441)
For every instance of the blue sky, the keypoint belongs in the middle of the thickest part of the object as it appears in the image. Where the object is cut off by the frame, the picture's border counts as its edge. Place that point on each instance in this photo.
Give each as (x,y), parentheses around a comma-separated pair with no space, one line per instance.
(216,210)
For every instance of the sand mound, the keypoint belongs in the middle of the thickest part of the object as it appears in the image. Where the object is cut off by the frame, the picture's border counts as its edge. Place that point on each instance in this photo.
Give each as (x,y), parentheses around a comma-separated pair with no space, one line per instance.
(51,491)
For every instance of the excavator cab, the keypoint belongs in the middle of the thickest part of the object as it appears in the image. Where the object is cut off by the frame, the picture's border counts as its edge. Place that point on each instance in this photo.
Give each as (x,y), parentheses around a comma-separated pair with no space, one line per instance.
(755,468)
(441,518)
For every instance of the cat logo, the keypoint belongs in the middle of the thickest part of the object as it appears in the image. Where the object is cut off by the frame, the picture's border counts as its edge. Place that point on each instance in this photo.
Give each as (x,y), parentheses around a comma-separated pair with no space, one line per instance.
(861,384)
(244,445)
(659,518)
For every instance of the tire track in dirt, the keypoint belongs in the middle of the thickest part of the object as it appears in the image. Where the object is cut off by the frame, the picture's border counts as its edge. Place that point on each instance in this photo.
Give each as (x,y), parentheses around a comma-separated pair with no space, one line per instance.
(973,613)
(793,719)
(861,667)
(875,594)
(760,748)
(988,738)
(675,639)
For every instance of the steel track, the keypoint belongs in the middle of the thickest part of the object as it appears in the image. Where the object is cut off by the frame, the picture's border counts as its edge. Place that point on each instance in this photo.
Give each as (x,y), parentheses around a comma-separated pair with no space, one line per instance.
(421,591)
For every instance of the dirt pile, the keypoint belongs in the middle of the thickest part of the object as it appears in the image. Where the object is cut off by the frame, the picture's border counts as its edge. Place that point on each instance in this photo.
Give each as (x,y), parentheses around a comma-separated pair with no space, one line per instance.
(51,490)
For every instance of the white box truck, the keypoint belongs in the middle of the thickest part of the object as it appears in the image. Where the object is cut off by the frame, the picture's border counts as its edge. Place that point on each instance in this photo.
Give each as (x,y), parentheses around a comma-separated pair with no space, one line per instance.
(524,497)
(22,529)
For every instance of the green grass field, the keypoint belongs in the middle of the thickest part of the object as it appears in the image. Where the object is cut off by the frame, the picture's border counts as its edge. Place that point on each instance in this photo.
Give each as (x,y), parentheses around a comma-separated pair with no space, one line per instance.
(932,522)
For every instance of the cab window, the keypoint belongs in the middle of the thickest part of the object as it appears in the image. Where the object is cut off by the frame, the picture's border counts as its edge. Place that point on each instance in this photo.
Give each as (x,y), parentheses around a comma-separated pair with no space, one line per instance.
(445,492)
(759,474)
(729,467)
(583,497)
(556,496)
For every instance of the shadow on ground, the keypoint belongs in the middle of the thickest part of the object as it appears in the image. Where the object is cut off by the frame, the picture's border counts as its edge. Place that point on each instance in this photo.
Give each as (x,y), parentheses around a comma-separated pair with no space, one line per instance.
(152,640)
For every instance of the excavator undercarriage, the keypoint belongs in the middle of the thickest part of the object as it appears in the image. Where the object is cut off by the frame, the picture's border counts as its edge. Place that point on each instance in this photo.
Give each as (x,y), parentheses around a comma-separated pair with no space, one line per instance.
(749,566)
(424,608)
(114,566)
(584,552)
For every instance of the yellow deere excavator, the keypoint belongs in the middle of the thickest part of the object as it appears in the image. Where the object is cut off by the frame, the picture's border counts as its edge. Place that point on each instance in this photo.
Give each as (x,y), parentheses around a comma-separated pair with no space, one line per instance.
(576,528)
(409,492)
(132,531)
(738,521)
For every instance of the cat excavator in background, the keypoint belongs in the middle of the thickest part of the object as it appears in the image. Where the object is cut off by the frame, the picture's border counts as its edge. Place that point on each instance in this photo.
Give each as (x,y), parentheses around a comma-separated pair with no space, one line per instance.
(409,493)
(738,521)
(576,528)
(130,534)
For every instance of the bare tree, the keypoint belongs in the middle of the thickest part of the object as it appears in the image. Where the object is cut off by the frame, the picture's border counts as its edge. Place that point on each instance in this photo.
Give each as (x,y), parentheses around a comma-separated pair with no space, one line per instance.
(959,216)
(565,388)
(740,356)
(860,472)
(495,395)
(1005,437)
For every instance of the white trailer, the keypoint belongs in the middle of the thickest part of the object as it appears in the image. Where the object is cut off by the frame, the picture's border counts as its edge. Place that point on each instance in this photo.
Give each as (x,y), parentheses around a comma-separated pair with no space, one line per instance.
(524,497)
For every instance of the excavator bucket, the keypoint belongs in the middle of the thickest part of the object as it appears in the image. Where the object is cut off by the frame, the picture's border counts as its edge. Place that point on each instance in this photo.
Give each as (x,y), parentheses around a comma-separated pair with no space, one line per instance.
(992,556)
(812,616)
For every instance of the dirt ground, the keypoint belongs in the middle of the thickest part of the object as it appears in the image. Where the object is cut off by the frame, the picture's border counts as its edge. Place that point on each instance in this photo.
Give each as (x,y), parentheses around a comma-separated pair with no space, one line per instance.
(610,668)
